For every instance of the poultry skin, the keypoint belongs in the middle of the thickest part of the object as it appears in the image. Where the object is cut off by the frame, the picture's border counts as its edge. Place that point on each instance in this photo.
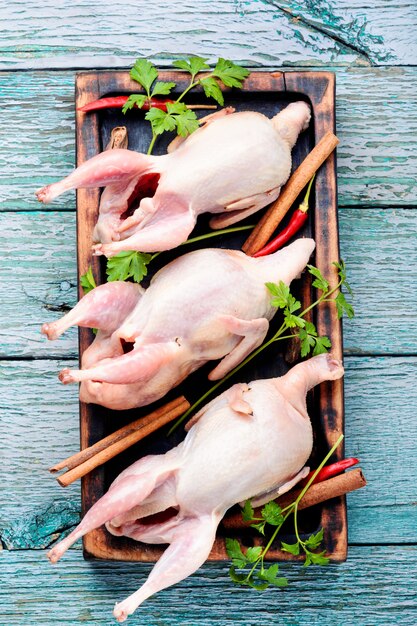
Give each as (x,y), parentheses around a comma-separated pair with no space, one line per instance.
(225,458)
(205,305)
(234,165)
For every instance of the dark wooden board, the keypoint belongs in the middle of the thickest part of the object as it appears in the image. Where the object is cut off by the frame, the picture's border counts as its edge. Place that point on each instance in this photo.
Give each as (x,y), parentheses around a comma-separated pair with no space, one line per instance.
(267,93)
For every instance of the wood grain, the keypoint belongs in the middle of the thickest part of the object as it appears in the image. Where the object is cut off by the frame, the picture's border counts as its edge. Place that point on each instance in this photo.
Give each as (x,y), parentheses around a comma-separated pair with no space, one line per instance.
(265,33)
(380,429)
(375,587)
(378,246)
(376,125)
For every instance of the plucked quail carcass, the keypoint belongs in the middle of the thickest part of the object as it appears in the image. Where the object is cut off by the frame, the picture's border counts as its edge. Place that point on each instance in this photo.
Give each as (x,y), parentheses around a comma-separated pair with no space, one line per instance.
(224,459)
(232,166)
(205,305)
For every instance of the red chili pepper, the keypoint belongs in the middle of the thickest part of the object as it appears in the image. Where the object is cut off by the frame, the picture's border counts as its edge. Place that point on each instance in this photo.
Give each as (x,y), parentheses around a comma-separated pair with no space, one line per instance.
(330,470)
(117,102)
(297,220)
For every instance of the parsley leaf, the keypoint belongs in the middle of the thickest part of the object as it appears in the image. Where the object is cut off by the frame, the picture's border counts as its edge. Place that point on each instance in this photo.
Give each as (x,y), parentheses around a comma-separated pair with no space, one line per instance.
(272,514)
(260,527)
(128,265)
(160,121)
(177,117)
(281,293)
(212,89)
(185,119)
(292,548)
(192,65)
(343,306)
(316,559)
(144,72)
(229,73)
(253,554)
(322,344)
(271,575)
(87,281)
(240,579)
(162,89)
(135,100)
(292,320)
(235,553)
(320,282)
(315,540)
(247,512)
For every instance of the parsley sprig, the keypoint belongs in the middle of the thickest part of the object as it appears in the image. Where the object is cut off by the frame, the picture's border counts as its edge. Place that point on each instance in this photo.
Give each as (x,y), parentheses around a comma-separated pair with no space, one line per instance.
(134,265)
(294,323)
(178,117)
(256,574)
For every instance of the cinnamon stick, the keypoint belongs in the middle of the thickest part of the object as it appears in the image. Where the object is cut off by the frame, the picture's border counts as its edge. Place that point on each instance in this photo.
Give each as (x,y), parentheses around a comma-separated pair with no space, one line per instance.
(267,225)
(86,460)
(320,492)
(118,138)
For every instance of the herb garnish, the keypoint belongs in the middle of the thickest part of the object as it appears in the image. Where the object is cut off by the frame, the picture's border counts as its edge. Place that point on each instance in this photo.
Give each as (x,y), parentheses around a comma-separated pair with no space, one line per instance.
(177,116)
(257,575)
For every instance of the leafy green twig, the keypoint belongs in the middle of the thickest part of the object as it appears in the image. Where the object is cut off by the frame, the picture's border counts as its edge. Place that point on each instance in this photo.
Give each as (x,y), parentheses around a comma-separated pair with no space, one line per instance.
(177,116)
(293,322)
(257,575)
(132,264)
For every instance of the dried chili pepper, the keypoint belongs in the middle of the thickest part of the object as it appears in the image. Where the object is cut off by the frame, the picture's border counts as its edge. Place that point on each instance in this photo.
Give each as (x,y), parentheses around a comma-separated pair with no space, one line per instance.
(297,220)
(330,470)
(118,102)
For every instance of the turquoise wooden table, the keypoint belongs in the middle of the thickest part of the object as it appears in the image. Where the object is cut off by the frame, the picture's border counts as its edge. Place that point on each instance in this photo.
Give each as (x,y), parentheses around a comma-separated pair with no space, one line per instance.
(373,51)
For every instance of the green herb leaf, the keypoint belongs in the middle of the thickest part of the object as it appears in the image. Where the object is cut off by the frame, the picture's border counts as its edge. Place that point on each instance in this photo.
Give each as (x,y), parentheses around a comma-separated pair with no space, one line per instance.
(247,512)
(230,74)
(177,117)
(87,281)
(322,345)
(292,548)
(341,270)
(160,121)
(192,65)
(260,527)
(144,72)
(162,88)
(212,89)
(316,559)
(253,554)
(343,306)
(240,579)
(257,583)
(320,282)
(185,120)
(234,551)
(135,100)
(281,293)
(272,514)
(271,575)
(128,265)
(315,540)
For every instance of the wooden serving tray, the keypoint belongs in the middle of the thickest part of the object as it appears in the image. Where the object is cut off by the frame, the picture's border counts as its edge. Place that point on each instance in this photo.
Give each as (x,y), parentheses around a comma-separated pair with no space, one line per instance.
(267,93)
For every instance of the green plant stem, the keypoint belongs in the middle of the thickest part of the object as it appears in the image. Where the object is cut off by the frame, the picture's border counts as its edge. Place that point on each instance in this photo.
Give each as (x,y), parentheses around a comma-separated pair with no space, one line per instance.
(214,233)
(308,485)
(293,508)
(152,144)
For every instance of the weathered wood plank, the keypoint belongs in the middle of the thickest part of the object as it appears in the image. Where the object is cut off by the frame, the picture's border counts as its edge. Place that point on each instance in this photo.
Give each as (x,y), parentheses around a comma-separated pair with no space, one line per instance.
(376,123)
(269,32)
(375,586)
(39,426)
(38,274)
(378,246)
